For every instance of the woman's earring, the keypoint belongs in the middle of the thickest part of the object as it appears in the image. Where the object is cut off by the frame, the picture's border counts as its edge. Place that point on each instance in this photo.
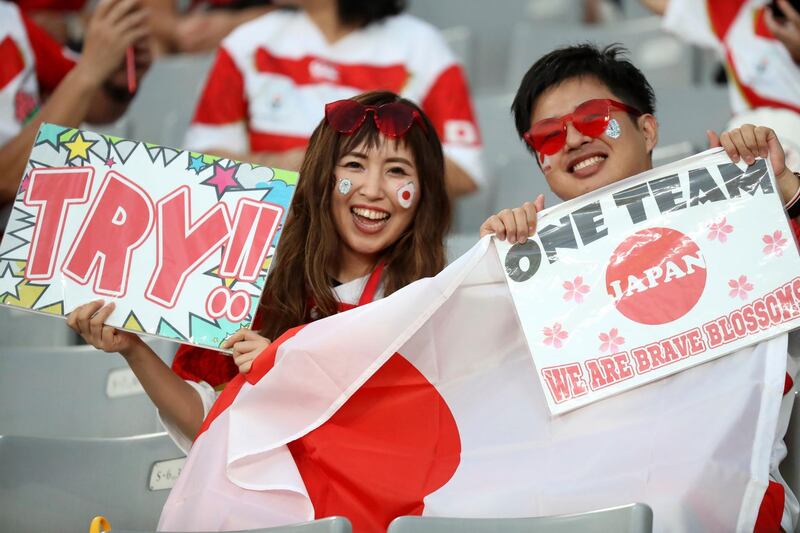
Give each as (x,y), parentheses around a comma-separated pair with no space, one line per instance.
(344,186)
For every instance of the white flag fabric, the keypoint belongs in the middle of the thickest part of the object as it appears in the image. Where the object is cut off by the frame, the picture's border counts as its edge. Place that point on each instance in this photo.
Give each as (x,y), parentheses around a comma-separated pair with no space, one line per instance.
(694,446)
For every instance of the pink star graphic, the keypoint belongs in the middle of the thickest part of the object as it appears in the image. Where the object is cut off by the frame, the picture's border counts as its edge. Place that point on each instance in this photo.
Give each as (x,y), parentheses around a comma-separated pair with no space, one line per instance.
(110,162)
(223,179)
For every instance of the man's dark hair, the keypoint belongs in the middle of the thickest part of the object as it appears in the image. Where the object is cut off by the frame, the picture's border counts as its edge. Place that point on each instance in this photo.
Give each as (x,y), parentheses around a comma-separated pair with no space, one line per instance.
(609,66)
(364,12)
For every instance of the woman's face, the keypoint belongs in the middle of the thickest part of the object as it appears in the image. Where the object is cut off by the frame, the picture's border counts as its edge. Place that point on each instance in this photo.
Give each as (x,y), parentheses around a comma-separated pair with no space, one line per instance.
(375,196)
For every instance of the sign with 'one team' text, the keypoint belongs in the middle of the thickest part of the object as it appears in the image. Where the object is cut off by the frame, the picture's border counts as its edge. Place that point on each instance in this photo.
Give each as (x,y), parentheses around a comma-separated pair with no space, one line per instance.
(654,274)
(180,241)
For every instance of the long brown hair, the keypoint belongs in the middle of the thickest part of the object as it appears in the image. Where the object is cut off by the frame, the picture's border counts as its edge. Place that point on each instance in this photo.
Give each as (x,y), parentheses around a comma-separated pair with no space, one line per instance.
(309,244)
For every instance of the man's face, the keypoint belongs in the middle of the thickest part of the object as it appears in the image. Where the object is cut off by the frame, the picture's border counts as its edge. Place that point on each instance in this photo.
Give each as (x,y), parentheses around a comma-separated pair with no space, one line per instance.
(585,164)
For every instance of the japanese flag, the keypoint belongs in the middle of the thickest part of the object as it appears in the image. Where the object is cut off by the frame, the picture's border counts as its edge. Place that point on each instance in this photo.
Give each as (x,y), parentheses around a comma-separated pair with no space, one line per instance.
(427,402)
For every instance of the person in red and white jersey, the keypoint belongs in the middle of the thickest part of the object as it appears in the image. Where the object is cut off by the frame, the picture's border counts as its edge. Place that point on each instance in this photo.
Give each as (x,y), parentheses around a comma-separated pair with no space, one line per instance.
(33,67)
(272,76)
(613,106)
(762,70)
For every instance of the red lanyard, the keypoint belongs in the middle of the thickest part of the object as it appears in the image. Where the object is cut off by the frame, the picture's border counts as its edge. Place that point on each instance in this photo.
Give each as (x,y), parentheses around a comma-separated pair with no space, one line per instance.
(369,289)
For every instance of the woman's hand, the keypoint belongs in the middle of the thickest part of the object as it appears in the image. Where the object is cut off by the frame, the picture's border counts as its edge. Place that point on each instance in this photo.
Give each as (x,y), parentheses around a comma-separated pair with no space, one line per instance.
(246,345)
(516,224)
(88,321)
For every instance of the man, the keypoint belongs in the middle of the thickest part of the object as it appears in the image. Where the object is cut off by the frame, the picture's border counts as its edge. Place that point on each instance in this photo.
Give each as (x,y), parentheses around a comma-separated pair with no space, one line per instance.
(33,66)
(578,83)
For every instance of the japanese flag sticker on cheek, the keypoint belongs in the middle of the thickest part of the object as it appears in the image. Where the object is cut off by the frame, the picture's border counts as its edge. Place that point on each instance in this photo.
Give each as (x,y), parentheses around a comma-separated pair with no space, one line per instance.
(406,194)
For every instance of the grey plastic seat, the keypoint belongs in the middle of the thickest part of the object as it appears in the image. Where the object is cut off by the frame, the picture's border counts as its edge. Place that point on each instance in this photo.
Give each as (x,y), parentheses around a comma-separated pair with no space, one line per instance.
(634,518)
(460,39)
(457,244)
(74,391)
(333,524)
(23,328)
(61,484)
(665,60)
(519,179)
(165,103)
(685,113)
(489,23)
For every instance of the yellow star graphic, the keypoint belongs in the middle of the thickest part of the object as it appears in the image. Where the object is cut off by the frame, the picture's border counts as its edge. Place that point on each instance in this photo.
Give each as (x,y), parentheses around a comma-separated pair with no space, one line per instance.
(79,147)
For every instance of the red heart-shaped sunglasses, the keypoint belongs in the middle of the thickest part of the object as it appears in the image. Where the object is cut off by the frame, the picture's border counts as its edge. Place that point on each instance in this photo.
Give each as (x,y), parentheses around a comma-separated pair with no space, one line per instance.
(591,118)
(393,119)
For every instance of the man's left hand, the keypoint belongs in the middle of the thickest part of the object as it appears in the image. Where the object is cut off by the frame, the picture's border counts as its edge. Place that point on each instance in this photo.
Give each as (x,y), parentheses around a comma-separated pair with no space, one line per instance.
(748,142)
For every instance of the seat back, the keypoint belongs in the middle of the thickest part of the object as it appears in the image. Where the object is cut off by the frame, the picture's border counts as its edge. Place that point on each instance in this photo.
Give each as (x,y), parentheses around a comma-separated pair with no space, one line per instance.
(333,524)
(664,59)
(61,484)
(26,329)
(74,391)
(165,103)
(634,518)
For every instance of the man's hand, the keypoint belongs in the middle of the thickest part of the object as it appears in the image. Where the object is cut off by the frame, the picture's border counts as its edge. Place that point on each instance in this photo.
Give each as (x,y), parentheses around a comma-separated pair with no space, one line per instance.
(748,142)
(515,224)
(787,31)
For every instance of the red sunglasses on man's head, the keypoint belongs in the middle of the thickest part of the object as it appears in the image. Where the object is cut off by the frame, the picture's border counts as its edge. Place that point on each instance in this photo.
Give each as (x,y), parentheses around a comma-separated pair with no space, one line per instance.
(591,118)
(393,119)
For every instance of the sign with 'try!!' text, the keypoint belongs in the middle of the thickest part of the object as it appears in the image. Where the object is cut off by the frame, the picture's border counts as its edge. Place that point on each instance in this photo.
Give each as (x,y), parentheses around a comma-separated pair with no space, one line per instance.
(652,275)
(180,241)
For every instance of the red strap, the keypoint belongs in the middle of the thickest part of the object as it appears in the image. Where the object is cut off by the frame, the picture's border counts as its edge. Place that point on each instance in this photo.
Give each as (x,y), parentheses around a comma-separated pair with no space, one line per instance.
(372,285)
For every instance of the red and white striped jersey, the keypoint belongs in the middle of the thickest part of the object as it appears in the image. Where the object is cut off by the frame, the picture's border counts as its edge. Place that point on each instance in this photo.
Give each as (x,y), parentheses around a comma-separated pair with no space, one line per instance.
(273,76)
(30,62)
(760,70)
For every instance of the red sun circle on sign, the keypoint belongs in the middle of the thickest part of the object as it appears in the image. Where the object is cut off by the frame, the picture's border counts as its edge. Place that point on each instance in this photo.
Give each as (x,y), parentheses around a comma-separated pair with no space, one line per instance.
(656,276)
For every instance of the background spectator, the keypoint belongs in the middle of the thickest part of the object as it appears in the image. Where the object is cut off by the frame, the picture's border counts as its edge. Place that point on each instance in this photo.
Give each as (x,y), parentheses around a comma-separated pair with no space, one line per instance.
(273,76)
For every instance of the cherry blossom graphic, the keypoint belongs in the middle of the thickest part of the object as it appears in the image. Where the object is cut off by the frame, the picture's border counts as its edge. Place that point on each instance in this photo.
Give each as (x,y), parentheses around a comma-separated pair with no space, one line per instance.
(575,290)
(719,230)
(611,341)
(774,243)
(555,336)
(740,287)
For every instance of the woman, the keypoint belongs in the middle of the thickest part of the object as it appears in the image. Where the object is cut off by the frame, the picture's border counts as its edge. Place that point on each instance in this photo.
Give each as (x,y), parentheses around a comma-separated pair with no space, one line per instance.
(368,217)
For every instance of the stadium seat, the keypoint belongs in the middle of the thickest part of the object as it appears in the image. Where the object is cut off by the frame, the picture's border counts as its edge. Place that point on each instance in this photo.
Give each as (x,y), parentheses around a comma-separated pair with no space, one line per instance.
(26,329)
(665,60)
(51,485)
(679,119)
(334,524)
(164,105)
(669,153)
(519,179)
(457,244)
(74,391)
(634,518)
(489,22)
(461,42)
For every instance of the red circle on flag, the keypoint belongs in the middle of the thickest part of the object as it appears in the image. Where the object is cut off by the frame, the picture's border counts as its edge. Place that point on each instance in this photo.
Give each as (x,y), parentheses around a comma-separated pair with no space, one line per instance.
(406,195)
(656,276)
